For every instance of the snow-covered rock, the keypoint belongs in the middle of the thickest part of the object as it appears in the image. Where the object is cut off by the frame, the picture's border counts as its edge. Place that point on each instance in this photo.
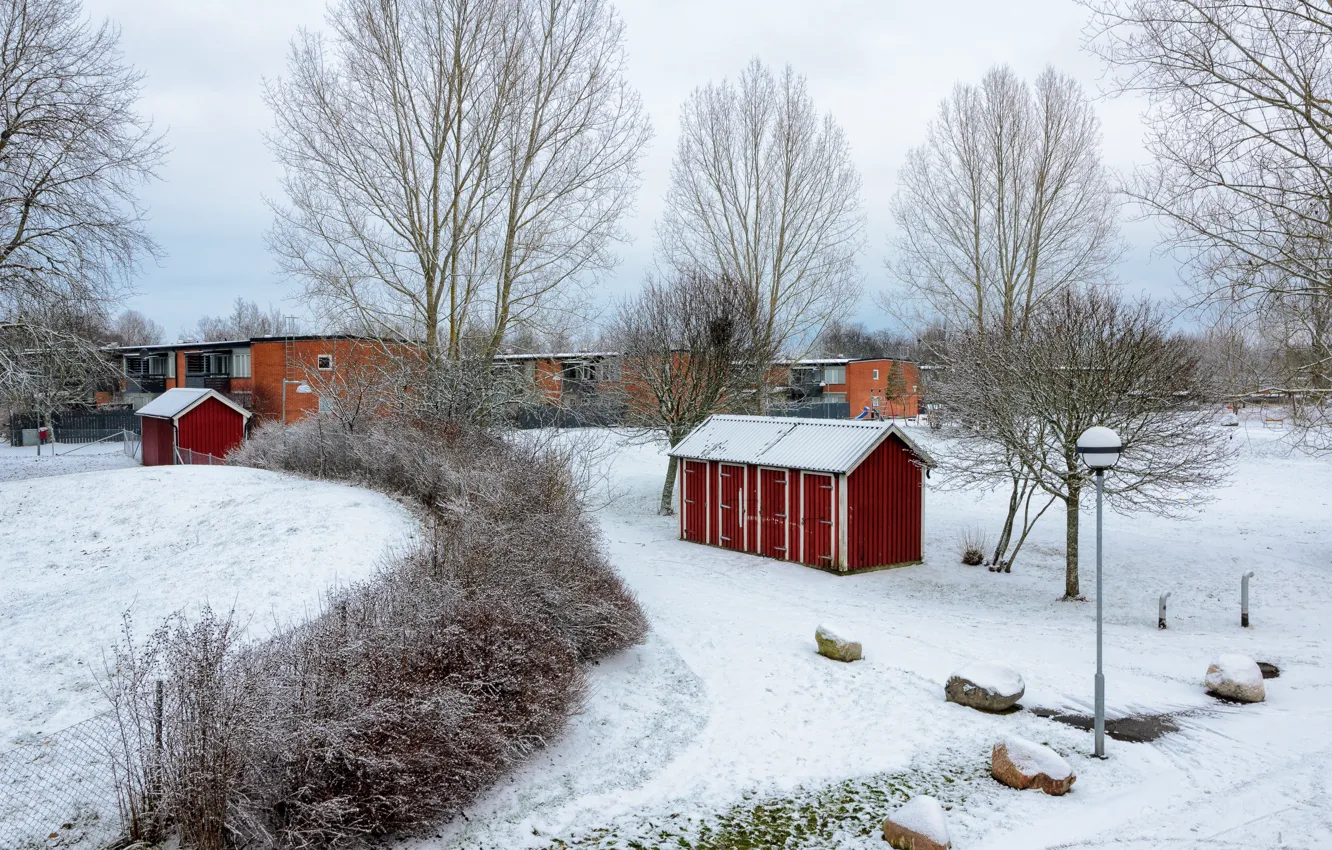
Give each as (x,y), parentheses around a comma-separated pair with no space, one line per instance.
(988,687)
(1022,764)
(918,825)
(1236,677)
(837,643)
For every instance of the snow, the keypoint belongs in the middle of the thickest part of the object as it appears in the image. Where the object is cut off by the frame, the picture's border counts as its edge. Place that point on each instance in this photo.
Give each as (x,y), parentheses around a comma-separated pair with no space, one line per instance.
(79,550)
(837,632)
(20,462)
(992,677)
(924,816)
(1032,758)
(172,402)
(1233,667)
(724,706)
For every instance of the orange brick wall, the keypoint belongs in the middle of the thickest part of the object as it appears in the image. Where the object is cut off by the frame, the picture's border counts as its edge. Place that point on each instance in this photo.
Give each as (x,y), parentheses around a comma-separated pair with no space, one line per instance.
(268,369)
(862,387)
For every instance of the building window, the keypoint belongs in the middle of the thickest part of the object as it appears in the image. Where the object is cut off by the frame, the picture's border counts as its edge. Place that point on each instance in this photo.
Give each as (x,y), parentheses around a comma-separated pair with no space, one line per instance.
(876,374)
(834,375)
(326,405)
(325,362)
(240,364)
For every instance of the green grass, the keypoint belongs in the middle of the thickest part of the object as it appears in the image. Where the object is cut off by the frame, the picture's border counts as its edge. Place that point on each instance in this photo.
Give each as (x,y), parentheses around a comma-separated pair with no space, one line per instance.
(806,819)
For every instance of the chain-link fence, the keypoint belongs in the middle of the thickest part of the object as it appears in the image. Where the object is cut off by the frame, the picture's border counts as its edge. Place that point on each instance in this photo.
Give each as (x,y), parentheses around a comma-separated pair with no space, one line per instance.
(189,457)
(58,790)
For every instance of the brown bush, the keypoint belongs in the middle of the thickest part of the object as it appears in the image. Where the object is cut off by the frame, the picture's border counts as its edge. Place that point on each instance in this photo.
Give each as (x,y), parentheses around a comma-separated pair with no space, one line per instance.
(410,693)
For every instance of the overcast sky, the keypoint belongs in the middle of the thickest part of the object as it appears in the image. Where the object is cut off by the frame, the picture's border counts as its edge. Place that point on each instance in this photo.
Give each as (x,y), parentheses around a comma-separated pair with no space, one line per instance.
(880,66)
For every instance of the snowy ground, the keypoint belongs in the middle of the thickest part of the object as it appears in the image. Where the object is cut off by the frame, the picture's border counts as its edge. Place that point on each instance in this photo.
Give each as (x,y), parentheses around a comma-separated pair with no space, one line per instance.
(80,548)
(726,720)
(20,462)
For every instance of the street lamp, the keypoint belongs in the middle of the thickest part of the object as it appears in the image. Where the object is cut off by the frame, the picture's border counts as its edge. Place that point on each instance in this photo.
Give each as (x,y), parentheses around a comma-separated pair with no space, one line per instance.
(1100,448)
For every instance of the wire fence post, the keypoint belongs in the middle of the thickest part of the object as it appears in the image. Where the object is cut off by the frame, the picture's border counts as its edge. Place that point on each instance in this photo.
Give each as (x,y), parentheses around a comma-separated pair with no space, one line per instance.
(158,702)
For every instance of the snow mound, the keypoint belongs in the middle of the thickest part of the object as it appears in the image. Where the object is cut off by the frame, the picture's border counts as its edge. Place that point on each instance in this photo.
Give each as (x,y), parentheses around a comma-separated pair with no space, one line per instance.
(993,677)
(78,551)
(1235,668)
(924,816)
(1032,758)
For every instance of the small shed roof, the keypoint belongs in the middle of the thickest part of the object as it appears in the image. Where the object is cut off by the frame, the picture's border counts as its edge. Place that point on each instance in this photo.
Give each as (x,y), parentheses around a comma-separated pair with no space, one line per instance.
(175,403)
(822,445)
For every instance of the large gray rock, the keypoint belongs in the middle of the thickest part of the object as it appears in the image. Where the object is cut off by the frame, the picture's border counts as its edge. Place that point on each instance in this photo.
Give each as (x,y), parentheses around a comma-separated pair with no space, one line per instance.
(988,687)
(837,643)
(1236,677)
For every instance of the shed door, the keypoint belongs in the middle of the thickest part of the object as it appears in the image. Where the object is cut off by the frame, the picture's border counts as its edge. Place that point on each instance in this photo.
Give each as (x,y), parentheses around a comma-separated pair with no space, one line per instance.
(820,512)
(731,507)
(695,507)
(773,509)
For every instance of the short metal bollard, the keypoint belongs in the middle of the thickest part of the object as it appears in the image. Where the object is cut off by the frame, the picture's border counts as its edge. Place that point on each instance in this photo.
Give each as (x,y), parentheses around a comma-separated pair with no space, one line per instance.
(1244,599)
(1160,611)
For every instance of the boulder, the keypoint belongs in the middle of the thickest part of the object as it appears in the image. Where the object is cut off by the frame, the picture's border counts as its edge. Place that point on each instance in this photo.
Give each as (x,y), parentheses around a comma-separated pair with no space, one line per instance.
(1236,677)
(918,825)
(1023,764)
(837,643)
(988,687)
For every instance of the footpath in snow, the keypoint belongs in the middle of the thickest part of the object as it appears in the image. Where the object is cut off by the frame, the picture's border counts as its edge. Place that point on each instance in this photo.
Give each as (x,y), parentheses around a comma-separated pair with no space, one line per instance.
(726,708)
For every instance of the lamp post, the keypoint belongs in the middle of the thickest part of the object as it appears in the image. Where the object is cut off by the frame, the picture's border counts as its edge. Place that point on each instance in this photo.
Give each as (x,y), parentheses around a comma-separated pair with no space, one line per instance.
(1100,448)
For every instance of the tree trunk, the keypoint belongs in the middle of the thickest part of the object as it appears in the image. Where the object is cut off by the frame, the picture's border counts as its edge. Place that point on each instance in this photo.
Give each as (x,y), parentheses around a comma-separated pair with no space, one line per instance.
(1006,535)
(668,488)
(1071,540)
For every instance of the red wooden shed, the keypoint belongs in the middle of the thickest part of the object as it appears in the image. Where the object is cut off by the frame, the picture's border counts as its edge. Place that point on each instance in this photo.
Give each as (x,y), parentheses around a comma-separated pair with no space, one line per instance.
(189,425)
(838,495)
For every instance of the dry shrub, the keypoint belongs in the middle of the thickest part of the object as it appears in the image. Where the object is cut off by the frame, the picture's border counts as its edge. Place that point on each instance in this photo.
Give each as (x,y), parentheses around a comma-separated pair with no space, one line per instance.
(410,693)
(972,544)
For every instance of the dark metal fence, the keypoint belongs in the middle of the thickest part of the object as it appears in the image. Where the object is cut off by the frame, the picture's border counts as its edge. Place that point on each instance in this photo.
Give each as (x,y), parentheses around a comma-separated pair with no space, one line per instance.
(77,426)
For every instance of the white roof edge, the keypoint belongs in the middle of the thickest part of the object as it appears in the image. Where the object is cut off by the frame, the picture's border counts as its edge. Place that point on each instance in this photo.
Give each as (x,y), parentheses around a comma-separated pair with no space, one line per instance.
(848,444)
(198,400)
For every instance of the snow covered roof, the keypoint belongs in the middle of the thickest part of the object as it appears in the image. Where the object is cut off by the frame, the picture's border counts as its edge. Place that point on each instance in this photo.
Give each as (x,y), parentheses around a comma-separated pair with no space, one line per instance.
(175,403)
(822,445)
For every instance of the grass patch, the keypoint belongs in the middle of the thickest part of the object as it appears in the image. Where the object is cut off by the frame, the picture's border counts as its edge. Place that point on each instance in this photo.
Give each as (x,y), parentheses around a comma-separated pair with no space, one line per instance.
(816,818)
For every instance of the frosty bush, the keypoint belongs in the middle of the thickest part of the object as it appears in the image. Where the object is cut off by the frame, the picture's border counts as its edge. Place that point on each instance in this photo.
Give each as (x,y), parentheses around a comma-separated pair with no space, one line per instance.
(407,694)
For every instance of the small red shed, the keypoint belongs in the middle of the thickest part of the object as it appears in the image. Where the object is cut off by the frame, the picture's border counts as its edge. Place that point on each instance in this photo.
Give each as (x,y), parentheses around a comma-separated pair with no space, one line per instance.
(834,494)
(186,424)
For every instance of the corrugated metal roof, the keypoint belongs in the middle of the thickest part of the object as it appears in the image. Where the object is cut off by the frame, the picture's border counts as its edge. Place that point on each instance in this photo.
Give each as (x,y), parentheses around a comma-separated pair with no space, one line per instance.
(822,445)
(172,403)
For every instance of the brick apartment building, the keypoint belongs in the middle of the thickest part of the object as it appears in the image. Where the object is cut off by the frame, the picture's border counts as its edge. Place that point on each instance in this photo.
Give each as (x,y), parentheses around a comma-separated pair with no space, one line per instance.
(285,378)
(275,377)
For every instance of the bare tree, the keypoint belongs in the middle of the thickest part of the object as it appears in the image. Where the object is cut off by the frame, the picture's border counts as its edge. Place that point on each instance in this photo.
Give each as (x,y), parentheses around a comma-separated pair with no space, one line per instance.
(134,328)
(683,344)
(764,193)
(1006,203)
(247,320)
(1087,359)
(73,152)
(852,339)
(1240,130)
(451,163)
(51,359)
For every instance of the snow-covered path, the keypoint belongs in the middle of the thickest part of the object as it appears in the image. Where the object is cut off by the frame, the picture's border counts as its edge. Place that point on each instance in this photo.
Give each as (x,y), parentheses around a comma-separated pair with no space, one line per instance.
(77,551)
(727,698)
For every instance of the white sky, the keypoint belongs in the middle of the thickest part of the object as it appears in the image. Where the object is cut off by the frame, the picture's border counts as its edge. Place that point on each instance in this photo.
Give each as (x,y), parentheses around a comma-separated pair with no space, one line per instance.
(880,67)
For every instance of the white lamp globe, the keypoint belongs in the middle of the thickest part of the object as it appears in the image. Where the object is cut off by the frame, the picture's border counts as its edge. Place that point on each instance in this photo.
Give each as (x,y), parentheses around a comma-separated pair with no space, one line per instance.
(1099,447)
